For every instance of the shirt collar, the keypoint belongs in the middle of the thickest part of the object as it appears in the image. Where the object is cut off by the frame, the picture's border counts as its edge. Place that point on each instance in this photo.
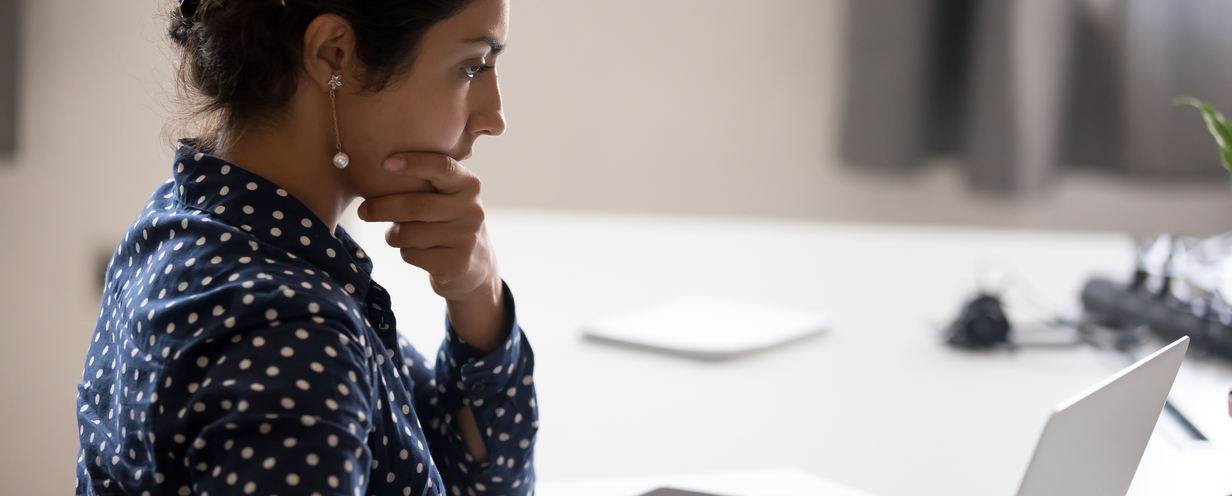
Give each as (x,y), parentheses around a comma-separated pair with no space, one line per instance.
(250,202)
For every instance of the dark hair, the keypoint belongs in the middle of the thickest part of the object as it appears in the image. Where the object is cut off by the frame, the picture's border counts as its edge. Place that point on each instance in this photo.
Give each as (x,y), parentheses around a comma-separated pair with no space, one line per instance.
(240,60)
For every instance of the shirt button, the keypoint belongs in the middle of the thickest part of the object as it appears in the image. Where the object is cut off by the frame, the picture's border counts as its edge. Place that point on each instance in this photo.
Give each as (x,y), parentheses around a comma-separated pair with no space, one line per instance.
(478,387)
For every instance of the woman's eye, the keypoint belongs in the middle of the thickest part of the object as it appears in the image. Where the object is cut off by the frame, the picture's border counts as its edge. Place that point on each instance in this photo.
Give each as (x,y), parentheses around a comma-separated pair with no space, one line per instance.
(471,71)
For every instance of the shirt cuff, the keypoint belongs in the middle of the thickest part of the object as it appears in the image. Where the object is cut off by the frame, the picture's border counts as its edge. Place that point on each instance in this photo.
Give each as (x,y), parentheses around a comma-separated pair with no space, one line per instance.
(467,373)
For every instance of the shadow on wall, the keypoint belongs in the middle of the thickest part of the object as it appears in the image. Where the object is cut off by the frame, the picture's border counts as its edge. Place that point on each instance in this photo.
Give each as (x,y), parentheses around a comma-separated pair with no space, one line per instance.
(1017,88)
(9,16)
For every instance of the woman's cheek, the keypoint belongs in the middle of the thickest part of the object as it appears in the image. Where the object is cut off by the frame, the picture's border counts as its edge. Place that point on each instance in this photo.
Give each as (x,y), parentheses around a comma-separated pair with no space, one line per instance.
(449,127)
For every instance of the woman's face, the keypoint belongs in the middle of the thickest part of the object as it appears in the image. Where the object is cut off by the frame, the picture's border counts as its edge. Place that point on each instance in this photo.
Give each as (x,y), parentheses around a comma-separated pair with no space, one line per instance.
(447,100)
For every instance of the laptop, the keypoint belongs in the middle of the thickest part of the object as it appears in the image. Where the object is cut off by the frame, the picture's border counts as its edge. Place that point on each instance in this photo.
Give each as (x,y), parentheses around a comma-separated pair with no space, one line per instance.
(1093,442)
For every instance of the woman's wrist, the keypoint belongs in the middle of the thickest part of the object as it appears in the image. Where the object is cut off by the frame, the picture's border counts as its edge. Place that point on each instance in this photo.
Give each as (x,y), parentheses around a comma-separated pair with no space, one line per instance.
(478,317)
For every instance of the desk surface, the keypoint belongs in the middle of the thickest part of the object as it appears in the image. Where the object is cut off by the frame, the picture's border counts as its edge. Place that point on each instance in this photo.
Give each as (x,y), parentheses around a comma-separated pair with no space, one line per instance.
(877,403)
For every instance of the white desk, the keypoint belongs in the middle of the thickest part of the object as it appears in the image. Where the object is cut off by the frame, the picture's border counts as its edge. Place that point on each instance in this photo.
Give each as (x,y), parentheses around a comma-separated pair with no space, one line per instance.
(878,403)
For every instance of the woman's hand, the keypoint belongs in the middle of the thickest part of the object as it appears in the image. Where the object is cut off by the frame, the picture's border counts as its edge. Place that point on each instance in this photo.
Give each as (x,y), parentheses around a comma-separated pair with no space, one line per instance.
(442,232)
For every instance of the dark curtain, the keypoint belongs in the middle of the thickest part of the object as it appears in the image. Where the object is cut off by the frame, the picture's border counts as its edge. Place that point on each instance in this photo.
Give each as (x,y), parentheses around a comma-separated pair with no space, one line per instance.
(1020,88)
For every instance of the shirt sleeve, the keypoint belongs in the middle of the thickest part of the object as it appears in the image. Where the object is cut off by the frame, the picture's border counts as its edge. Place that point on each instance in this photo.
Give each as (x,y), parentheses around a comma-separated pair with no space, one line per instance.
(499,388)
(281,410)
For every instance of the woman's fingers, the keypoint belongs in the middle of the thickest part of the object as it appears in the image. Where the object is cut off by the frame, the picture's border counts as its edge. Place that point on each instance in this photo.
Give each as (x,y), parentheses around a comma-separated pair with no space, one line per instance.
(422,207)
(443,172)
(422,235)
(407,207)
(447,266)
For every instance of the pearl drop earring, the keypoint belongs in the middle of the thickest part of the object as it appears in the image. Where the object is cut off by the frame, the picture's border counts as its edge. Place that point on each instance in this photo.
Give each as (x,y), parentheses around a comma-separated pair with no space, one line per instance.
(340,159)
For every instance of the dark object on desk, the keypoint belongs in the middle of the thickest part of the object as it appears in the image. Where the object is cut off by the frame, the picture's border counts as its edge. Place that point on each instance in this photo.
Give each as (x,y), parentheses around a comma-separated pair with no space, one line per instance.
(984,325)
(981,325)
(1125,307)
(667,491)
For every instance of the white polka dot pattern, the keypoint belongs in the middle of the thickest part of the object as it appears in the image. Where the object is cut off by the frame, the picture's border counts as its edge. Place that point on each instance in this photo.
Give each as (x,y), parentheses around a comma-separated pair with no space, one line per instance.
(242,348)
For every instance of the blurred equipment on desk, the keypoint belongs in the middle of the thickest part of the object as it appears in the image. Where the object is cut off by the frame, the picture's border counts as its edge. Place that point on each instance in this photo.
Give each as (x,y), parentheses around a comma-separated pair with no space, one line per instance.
(1180,287)
(985,321)
(981,324)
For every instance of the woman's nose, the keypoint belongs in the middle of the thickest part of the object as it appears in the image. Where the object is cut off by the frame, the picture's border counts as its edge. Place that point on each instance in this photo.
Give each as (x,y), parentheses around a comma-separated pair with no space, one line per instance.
(495,122)
(489,116)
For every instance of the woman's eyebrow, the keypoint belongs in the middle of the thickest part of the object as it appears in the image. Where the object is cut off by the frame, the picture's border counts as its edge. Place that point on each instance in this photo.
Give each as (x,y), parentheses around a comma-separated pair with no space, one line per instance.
(491,41)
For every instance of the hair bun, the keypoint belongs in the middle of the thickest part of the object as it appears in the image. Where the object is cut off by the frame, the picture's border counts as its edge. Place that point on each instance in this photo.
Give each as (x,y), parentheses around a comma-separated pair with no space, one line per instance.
(180,29)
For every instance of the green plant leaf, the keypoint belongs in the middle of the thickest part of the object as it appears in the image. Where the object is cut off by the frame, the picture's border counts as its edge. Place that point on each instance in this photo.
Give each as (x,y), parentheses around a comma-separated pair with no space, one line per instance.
(1216,124)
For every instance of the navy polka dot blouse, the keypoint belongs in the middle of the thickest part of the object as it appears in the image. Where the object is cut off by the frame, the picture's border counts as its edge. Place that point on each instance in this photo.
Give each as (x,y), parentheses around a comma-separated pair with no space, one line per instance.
(241,348)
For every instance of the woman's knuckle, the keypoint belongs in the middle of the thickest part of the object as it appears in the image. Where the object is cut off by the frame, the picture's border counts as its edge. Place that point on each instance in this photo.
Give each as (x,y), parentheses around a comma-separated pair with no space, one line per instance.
(475,217)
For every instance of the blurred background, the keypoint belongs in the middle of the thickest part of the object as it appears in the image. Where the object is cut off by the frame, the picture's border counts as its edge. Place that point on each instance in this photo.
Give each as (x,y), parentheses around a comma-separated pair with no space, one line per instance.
(1044,114)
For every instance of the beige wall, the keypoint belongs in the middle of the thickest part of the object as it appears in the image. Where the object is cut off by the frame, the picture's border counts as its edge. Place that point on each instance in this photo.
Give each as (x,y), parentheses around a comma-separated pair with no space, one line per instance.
(688,106)
(89,157)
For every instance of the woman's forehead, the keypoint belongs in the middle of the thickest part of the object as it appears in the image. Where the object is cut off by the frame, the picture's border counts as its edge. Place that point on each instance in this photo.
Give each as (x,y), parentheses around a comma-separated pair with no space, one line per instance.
(482,24)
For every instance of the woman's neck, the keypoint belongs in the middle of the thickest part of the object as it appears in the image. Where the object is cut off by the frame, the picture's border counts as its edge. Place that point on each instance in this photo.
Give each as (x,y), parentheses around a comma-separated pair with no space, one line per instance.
(297,156)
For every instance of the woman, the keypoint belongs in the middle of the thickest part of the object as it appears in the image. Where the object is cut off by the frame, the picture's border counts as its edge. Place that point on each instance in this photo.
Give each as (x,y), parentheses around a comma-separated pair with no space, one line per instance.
(241,347)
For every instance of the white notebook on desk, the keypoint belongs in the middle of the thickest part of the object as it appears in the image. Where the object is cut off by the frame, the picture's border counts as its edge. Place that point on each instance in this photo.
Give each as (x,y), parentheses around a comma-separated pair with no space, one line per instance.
(708,327)
(754,482)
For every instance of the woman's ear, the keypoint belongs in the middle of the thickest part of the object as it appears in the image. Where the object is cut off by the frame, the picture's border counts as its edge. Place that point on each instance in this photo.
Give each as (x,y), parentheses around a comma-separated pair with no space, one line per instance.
(329,47)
